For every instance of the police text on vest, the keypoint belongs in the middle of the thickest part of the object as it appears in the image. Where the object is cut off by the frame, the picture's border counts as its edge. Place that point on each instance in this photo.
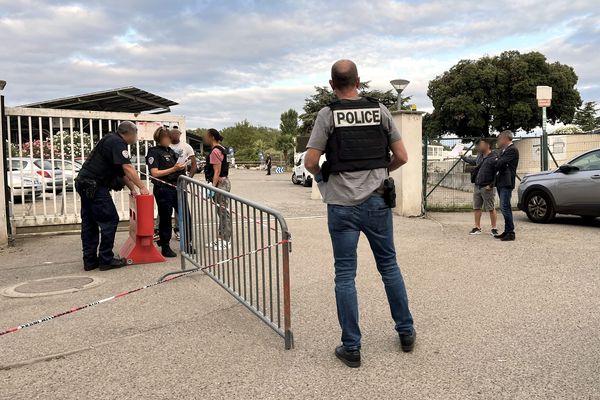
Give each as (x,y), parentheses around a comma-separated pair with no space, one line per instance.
(357,117)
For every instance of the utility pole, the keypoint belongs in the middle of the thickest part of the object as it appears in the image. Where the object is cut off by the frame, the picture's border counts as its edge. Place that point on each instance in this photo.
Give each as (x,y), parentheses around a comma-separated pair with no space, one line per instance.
(544,98)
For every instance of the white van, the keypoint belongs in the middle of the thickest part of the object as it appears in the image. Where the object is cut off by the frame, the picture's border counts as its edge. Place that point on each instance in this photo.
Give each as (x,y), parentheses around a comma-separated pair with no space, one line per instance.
(300,175)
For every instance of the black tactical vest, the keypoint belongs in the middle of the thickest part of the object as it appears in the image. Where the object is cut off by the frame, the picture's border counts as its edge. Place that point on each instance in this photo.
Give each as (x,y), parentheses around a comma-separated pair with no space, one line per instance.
(209,170)
(358,141)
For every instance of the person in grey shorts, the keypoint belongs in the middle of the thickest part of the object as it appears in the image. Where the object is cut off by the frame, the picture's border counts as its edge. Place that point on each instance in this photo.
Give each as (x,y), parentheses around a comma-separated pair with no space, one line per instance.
(483,177)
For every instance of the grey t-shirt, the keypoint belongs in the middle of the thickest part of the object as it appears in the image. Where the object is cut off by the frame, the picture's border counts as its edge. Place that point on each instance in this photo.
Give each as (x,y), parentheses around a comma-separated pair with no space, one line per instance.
(349,188)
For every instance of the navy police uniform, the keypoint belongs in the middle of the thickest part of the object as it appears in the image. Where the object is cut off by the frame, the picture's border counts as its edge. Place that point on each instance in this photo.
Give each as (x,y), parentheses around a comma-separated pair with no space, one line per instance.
(101,173)
(166,195)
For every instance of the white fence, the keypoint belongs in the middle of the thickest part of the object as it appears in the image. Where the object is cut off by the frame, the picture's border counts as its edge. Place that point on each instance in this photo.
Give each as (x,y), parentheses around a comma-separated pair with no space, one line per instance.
(46,147)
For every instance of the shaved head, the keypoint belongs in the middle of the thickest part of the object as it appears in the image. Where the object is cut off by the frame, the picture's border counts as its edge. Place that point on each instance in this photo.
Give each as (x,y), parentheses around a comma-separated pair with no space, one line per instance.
(344,75)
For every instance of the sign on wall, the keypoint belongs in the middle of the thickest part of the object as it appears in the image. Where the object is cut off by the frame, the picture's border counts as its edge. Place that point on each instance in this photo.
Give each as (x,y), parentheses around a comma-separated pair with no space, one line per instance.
(146,129)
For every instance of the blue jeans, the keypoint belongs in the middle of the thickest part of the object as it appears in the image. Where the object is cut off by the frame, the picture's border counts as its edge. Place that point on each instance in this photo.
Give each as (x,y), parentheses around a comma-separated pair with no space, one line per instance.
(374,219)
(505,194)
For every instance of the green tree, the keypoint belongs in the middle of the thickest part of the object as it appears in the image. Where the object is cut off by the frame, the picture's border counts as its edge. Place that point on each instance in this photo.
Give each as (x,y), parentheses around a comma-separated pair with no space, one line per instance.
(289,131)
(324,95)
(477,97)
(248,139)
(586,117)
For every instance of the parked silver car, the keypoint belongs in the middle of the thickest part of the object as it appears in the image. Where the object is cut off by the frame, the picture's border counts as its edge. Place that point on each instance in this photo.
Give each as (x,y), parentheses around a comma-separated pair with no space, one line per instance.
(70,171)
(573,188)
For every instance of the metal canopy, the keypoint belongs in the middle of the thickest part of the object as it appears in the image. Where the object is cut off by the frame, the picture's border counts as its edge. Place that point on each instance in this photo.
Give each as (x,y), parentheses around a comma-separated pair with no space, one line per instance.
(128,99)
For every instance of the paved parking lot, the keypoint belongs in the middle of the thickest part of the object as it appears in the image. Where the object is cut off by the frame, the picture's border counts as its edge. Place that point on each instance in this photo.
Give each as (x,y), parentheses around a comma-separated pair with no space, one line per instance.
(495,320)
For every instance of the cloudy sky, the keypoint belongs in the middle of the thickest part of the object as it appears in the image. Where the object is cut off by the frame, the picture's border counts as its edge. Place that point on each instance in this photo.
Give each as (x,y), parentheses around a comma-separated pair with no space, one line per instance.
(229,60)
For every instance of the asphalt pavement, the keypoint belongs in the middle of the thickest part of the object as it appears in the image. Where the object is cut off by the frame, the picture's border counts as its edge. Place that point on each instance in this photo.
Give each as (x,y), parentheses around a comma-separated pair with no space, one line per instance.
(495,320)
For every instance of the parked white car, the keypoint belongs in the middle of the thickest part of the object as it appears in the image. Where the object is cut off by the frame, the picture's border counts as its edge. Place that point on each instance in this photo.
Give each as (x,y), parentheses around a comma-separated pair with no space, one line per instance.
(52,179)
(24,185)
(300,174)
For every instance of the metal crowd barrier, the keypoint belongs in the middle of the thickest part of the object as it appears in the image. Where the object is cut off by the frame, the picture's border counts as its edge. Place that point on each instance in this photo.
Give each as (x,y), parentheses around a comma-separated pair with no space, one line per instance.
(241,245)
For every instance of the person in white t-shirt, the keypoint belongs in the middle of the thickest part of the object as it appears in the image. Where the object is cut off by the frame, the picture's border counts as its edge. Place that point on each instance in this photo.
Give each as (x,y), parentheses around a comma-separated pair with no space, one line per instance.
(183,149)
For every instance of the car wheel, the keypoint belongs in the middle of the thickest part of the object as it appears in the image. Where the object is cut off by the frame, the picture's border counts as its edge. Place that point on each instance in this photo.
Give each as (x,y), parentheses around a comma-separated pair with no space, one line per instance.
(539,207)
(295,179)
(59,191)
(307,182)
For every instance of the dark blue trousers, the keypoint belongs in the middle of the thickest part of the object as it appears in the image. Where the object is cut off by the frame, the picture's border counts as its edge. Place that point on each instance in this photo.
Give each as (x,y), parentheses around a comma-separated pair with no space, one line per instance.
(505,194)
(99,220)
(166,202)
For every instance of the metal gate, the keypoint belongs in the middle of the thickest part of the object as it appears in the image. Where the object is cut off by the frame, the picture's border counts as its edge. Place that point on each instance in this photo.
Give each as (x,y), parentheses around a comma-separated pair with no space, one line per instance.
(46,148)
(242,246)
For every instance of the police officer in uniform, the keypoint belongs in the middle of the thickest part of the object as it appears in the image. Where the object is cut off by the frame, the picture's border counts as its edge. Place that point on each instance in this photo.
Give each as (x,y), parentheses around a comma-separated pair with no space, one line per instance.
(357,135)
(107,168)
(162,164)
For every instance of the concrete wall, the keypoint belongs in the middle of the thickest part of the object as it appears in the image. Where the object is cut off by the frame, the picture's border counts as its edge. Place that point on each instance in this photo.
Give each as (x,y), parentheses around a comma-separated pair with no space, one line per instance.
(409,178)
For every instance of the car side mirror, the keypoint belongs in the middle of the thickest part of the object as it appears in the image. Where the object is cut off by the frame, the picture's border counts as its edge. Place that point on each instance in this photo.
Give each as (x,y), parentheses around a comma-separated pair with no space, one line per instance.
(567,168)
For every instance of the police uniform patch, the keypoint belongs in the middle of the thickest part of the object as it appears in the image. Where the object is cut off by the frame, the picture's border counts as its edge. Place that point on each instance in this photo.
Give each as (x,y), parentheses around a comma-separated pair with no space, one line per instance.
(150,160)
(125,153)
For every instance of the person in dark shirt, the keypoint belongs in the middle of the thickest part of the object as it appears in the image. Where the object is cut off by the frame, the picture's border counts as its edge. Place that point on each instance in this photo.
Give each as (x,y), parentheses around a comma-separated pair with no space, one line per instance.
(269,162)
(162,164)
(107,168)
(506,167)
(483,177)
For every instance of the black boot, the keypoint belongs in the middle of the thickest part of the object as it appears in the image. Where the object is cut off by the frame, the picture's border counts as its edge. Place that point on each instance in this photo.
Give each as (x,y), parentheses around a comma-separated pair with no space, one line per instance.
(510,236)
(350,358)
(167,252)
(407,342)
(114,263)
(500,236)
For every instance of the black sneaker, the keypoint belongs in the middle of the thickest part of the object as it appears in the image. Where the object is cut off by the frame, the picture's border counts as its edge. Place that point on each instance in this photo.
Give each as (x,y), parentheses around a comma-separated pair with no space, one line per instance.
(500,236)
(156,236)
(115,263)
(494,232)
(407,342)
(350,358)
(509,237)
(475,231)
(167,252)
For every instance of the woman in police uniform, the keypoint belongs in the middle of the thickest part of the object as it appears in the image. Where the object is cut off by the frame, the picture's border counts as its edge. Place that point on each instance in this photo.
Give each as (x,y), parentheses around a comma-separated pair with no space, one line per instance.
(162,164)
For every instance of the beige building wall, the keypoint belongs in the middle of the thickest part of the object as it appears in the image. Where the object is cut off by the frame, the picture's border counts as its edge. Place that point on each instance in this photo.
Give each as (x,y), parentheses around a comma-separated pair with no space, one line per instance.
(563,147)
(409,178)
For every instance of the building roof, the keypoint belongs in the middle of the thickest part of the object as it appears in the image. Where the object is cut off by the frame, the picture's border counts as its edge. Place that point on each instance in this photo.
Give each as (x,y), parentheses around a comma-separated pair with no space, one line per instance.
(128,99)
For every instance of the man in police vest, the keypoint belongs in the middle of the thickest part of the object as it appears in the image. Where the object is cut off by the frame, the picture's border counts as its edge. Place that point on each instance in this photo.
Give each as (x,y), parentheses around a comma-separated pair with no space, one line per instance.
(107,168)
(357,135)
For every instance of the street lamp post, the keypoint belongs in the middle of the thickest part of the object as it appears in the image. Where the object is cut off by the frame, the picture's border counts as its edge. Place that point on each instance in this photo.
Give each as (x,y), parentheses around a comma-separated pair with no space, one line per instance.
(399,85)
(544,98)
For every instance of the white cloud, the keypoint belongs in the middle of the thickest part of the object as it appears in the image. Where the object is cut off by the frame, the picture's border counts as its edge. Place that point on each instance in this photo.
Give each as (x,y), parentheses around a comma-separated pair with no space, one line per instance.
(230,60)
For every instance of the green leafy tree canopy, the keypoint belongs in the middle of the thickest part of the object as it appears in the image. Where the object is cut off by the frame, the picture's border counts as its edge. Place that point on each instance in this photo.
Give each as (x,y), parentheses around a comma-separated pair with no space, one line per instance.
(289,131)
(324,95)
(586,117)
(476,97)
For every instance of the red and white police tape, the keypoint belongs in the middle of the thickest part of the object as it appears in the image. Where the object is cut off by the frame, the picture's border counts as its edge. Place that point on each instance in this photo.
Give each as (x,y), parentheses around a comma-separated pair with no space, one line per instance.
(95,303)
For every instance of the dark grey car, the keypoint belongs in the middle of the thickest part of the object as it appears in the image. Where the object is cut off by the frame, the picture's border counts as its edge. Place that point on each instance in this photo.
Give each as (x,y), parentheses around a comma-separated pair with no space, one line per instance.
(574,188)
